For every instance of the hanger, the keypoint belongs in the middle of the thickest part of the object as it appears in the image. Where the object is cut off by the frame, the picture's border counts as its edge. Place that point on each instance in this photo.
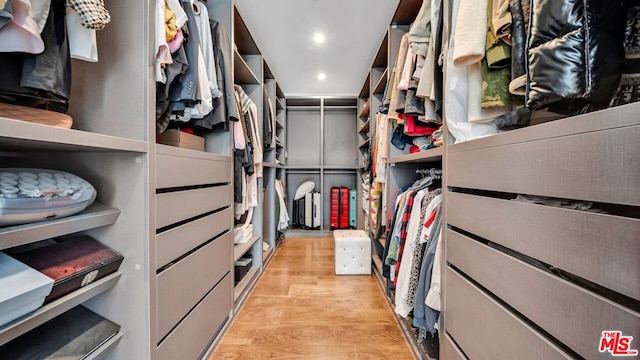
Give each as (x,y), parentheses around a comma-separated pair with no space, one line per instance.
(432,173)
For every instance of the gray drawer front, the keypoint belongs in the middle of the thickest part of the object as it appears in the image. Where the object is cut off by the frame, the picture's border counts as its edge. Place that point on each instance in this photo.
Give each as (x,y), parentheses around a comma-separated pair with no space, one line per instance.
(569,313)
(181,286)
(176,171)
(178,241)
(177,206)
(600,245)
(598,166)
(189,339)
(449,350)
(485,330)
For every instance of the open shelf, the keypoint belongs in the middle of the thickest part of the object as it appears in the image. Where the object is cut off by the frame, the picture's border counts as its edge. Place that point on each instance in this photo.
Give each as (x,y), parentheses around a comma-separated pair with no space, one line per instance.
(365,128)
(242,74)
(377,262)
(340,167)
(26,136)
(247,280)
(266,256)
(241,249)
(279,145)
(406,12)
(242,36)
(364,92)
(422,156)
(101,352)
(279,105)
(188,153)
(382,240)
(279,124)
(366,110)
(94,216)
(382,83)
(365,144)
(57,307)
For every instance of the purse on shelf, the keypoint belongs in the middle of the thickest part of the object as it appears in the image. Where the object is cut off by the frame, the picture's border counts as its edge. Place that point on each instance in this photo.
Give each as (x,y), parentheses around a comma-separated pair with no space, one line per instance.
(38,116)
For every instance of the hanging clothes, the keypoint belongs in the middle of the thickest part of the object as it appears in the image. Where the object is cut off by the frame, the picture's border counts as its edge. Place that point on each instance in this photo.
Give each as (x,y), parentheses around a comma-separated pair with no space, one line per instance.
(283,216)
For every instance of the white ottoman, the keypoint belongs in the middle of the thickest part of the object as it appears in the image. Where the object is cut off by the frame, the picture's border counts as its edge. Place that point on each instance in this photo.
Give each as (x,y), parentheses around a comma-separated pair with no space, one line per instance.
(352,252)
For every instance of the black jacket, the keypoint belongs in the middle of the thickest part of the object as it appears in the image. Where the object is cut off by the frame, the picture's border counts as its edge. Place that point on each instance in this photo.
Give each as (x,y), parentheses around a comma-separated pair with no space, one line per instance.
(575,51)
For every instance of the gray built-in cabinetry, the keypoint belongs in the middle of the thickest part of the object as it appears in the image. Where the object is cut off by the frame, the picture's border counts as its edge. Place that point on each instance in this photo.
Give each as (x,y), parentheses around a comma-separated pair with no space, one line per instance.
(321,146)
(167,210)
(525,280)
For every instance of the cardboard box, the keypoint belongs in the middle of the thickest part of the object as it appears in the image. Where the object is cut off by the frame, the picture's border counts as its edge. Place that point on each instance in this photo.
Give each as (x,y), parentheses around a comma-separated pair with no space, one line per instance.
(182,139)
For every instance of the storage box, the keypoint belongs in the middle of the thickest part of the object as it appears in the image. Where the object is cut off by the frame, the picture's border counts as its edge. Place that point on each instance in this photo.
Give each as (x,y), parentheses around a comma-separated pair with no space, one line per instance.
(182,139)
(72,263)
(74,335)
(22,289)
(242,267)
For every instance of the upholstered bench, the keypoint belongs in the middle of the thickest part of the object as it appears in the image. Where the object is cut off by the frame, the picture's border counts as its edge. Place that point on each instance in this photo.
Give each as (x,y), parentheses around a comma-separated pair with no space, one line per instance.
(352,252)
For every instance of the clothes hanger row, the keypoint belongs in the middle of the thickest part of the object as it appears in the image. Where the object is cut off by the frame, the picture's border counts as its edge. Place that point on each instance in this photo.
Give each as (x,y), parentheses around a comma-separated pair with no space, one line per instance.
(432,173)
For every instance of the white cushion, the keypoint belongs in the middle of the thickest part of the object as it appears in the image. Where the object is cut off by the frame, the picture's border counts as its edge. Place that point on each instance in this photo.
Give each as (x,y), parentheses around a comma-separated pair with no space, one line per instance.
(352,252)
(304,188)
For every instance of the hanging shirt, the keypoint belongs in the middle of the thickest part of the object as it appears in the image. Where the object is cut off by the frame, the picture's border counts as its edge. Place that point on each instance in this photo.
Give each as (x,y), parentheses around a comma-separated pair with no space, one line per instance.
(206,45)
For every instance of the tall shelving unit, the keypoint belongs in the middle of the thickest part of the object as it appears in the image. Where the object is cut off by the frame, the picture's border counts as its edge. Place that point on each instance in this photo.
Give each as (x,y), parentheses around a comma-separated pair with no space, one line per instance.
(401,166)
(322,139)
(175,285)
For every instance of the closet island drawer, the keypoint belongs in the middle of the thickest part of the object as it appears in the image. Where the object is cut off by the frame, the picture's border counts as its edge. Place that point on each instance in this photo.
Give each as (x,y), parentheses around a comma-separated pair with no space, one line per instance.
(603,247)
(178,167)
(178,241)
(194,334)
(556,305)
(486,330)
(182,285)
(173,207)
(596,166)
(450,350)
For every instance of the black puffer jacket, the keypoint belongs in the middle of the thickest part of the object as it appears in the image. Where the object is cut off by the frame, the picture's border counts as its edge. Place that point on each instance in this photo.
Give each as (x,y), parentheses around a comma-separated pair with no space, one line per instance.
(575,51)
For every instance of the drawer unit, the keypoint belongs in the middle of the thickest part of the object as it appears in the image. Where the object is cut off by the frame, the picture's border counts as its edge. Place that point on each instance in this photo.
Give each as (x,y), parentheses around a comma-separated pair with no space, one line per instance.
(173,207)
(596,166)
(600,245)
(181,286)
(554,304)
(182,167)
(449,350)
(486,330)
(178,241)
(190,339)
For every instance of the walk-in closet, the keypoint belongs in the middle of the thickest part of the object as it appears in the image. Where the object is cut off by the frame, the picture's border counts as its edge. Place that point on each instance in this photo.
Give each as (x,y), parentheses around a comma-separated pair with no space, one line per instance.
(371,179)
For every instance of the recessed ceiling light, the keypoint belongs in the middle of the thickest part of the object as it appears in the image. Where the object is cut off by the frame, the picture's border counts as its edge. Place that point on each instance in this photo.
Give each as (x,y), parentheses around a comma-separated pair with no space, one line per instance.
(318,38)
(322,76)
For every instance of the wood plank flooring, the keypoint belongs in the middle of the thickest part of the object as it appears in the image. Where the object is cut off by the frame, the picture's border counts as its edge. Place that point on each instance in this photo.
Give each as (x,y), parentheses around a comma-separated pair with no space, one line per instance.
(300,310)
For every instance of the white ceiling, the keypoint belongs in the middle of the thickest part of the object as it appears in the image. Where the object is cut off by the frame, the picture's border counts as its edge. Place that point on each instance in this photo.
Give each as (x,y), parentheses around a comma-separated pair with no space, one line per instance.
(284,30)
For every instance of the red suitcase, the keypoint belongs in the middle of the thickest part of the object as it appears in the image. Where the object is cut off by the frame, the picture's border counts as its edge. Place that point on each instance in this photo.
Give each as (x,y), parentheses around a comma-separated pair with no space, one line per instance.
(344,208)
(335,207)
(339,208)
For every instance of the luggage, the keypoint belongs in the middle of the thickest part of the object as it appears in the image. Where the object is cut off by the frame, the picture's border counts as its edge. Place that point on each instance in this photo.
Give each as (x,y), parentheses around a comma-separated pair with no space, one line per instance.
(72,263)
(74,335)
(353,217)
(312,203)
(297,218)
(339,208)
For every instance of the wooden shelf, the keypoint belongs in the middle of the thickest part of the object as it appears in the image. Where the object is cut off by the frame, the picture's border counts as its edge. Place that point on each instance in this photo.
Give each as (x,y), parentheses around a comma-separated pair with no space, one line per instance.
(365,144)
(242,74)
(279,92)
(406,12)
(382,83)
(102,351)
(382,240)
(279,124)
(241,36)
(247,280)
(422,156)
(57,307)
(279,105)
(188,153)
(366,110)
(364,92)
(241,249)
(94,216)
(365,128)
(25,136)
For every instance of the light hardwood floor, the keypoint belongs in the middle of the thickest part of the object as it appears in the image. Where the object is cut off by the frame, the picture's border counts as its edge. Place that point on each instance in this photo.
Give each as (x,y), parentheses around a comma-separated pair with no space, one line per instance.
(300,310)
